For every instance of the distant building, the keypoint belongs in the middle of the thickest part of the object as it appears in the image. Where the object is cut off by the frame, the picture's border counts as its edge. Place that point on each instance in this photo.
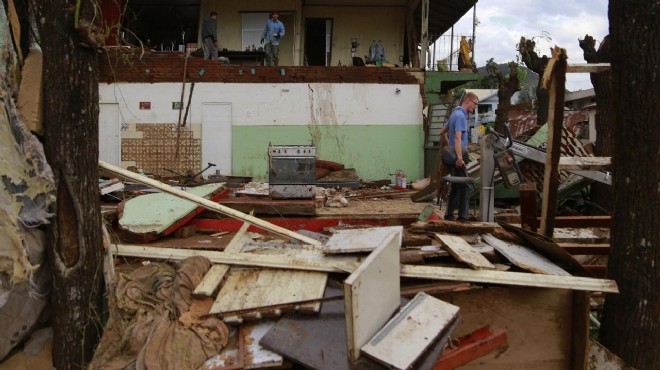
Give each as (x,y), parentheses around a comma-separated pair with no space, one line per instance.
(584,100)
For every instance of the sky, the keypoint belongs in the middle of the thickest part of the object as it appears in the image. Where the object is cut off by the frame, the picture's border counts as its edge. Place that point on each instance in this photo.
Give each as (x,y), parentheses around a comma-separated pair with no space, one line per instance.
(503,22)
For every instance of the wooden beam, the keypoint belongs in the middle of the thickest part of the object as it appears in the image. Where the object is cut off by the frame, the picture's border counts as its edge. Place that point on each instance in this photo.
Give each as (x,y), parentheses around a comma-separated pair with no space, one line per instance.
(410,271)
(239,259)
(424,37)
(464,252)
(240,239)
(509,278)
(580,332)
(528,195)
(554,79)
(588,68)
(211,281)
(583,221)
(524,257)
(585,163)
(207,203)
(586,249)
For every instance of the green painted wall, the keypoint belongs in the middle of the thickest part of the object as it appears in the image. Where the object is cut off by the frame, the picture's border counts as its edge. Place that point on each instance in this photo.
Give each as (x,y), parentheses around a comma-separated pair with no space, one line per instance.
(374,151)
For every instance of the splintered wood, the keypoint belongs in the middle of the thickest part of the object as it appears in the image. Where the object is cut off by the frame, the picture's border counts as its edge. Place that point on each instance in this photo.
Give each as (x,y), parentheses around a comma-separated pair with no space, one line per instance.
(251,289)
(464,252)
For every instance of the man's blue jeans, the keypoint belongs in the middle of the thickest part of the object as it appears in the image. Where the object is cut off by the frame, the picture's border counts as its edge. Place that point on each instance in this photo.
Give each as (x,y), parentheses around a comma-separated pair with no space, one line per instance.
(459,198)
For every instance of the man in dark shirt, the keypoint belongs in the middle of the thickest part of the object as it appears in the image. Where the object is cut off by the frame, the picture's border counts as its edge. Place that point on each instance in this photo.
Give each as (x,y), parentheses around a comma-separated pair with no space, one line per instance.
(210,36)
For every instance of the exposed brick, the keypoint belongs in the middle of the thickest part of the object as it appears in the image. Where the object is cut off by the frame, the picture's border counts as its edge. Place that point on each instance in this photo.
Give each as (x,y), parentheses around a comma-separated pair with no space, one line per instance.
(128,65)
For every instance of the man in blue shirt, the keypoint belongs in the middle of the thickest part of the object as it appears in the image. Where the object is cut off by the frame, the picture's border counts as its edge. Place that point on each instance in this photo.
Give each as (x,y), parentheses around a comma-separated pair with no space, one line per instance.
(210,37)
(455,133)
(272,34)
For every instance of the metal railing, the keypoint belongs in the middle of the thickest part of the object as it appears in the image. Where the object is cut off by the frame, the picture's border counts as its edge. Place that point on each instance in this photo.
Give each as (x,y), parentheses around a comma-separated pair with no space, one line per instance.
(444,53)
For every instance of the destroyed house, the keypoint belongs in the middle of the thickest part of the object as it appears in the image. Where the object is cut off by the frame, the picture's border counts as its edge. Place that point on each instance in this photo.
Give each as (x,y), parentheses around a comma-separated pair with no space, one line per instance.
(163,108)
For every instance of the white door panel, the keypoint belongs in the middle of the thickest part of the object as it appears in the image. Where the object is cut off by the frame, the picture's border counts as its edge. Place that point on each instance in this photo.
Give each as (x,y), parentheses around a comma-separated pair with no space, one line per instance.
(109,133)
(216,136)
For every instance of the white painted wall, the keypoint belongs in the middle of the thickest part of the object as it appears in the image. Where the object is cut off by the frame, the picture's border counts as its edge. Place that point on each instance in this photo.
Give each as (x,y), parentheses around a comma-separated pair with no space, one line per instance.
(273,104)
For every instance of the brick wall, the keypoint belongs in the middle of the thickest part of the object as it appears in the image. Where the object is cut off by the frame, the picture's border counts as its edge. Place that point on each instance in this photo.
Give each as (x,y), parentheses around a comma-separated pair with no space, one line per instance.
(128,65)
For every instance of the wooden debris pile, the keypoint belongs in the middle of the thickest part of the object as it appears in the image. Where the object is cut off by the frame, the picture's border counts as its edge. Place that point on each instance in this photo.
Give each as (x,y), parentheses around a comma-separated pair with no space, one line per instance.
(389,297)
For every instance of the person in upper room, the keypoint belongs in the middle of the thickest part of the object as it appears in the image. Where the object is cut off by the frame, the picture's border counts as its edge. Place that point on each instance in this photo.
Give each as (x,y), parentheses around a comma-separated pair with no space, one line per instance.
(272,35)
(455,155)
(210,36)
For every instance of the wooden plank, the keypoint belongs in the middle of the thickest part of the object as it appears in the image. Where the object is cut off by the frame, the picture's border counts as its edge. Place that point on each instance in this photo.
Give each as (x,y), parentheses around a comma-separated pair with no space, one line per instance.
(206,203)
(419,322)
(586,249)
(360,240)
(588,67)
(302,262)
(411,271)
(464,252)
(576,221)
(283,207)
(240,239)
(247,289)
(585,163)
(372,294)
(524,257)
(510,278)
(528,194)
(582,235)
(583,221)
(548,248)
(580,332)
(211,281)
(554,79)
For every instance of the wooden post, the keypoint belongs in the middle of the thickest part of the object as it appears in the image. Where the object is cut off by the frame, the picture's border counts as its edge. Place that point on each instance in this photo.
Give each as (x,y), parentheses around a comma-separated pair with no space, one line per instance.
(208,204)
(554,80)
(424,34)
(528,206)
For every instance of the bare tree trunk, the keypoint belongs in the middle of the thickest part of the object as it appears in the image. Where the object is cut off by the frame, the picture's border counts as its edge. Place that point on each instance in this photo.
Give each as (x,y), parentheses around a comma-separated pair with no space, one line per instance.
(506,89)
(537,64)
(602,194)
(71,140)
(630,326)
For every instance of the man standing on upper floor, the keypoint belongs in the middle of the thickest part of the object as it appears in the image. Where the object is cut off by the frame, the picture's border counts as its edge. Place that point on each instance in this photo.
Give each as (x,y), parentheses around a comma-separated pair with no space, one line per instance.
(272,34)
(210,36)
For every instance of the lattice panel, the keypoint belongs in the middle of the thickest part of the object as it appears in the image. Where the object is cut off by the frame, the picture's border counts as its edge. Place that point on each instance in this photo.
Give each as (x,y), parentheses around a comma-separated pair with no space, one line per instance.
(158,149)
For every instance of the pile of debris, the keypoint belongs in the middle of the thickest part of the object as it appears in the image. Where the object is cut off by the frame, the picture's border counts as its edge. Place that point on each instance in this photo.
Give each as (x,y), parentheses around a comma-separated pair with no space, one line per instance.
(344,297)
